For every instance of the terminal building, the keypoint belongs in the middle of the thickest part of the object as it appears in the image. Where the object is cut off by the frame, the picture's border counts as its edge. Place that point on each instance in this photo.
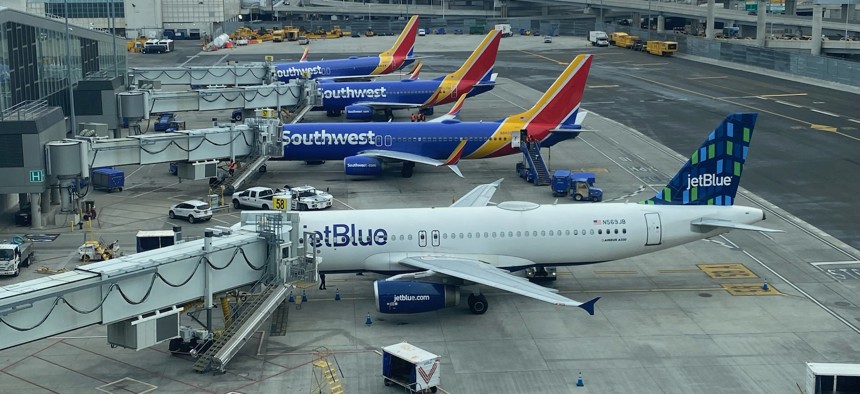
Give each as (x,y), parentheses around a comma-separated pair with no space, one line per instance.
(40,60)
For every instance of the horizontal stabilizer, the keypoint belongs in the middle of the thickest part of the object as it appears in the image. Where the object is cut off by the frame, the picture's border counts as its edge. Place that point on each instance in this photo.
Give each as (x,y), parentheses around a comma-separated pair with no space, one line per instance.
(732,225)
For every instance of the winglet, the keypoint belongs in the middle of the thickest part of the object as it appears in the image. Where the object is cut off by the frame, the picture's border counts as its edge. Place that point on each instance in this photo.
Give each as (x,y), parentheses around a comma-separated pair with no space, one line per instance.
(588,306)
(416,70)
(305,54)
(455,110)
(454,158)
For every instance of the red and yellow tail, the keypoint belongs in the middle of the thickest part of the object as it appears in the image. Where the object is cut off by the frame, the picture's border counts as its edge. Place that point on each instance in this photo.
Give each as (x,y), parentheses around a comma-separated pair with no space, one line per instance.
(559,105)
(478,67)
(393,58)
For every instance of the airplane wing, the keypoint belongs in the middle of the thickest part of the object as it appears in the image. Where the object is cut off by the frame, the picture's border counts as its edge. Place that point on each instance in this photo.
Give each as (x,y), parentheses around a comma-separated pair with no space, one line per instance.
(479,196)
(704,222)
(451,162)
(390,105)
(486,274)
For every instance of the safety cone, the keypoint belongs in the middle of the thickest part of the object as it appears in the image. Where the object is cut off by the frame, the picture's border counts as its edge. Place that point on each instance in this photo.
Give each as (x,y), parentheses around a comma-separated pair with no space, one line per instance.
(367,321)
(579,381)
(292,298)
(304,296)
(764,285)
(337,294)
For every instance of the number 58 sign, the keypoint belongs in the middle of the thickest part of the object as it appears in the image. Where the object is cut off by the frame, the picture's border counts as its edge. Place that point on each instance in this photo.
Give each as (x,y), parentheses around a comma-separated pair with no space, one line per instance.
(281,203)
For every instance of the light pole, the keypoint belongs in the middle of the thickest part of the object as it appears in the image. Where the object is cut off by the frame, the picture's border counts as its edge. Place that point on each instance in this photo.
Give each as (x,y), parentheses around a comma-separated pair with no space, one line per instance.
(69,70)
(847,6)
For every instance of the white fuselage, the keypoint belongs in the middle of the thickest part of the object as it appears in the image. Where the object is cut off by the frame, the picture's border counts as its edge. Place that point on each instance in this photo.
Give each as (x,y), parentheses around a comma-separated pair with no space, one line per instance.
(512,235)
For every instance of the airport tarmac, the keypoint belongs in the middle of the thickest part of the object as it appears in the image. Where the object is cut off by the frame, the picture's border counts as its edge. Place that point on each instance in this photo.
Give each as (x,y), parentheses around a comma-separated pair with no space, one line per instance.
(693,318)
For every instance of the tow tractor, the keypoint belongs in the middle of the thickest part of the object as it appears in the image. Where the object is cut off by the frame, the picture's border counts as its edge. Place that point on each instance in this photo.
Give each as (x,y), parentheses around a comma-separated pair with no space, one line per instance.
(97,251)
(580,185)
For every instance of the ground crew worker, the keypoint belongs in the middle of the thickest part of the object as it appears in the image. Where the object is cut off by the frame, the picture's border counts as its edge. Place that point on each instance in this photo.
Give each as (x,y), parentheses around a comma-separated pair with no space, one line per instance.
(412,117)
(322,281)
(420,116)
(231,168)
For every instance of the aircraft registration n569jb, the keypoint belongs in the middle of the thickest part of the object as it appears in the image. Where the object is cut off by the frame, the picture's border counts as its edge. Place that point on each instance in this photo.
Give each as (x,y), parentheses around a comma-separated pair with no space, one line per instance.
(399,55)
(361,99)
(363,147)
(433,252)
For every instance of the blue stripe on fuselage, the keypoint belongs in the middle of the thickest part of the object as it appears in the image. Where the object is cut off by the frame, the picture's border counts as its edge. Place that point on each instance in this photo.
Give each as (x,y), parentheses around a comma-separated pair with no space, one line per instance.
(327,68)
(336,141)
(338,95)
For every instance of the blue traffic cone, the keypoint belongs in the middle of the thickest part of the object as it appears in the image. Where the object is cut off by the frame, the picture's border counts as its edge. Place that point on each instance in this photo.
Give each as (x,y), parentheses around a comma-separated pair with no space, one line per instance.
(764,285)
(579,381)
(337,294)
(304,296)
(292,298)
(368,322)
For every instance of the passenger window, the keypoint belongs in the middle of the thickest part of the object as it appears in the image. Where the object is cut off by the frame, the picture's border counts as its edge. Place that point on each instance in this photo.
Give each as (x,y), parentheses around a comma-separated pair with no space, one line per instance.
(616,231)
(409,237)
(543,233)
(534,233)
(519,234)
(444,235)
(599,231)
(477,235)
(511,234)
(591,232)
(461,235)
(494,234)
(623,231)
(468,235)
(486,235)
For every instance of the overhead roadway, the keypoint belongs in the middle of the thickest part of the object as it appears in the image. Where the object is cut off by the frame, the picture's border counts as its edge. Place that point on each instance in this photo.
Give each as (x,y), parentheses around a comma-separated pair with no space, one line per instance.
(139,297)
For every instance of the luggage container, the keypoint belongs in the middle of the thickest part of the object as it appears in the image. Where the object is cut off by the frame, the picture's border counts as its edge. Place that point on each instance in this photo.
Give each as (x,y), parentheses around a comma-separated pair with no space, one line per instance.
(413,368)
(108,179)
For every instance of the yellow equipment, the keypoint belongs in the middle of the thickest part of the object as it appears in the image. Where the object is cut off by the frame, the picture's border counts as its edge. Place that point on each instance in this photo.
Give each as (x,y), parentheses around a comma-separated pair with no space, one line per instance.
(278,36)
(135,45)
(97,251)
(613,38)
(292,33)
(661,48)
(626,41)
(369,32)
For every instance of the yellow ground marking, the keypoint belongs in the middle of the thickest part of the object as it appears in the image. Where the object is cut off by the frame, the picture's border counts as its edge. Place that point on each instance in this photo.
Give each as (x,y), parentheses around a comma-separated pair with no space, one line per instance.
(544,57)
(726,271)
(823,127)
(783,95)
(735,103)
(749,289)
(600,86)
(620,272)
(720,77)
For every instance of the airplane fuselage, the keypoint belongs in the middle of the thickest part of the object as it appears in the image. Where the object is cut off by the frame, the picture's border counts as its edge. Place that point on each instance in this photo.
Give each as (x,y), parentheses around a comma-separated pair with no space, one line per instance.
(336,141)
(512,236)
(339,95)
(368,65)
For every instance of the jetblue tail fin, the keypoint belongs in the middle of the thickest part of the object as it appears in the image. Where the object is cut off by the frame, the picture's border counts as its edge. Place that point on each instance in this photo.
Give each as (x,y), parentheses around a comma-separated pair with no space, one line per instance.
(712,174)
(402,50)
(558,107)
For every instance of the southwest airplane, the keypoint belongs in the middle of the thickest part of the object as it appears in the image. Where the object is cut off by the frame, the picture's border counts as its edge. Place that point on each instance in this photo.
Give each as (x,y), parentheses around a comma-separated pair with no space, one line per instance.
(361,99)
(363,147)
(433,252)
(386,62)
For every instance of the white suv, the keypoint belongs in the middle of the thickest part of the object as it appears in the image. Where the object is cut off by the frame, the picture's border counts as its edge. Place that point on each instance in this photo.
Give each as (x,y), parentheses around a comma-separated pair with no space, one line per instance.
(422,32)
(193,210)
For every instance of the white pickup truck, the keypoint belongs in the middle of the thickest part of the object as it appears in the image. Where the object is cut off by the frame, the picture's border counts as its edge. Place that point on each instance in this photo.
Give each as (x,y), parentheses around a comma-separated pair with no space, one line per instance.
(255,197)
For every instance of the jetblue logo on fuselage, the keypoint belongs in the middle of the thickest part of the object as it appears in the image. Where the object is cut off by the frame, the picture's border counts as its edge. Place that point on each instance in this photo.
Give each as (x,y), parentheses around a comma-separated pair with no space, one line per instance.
(295,72)
(323,137)
(353,93)
(340,235)
(706,180)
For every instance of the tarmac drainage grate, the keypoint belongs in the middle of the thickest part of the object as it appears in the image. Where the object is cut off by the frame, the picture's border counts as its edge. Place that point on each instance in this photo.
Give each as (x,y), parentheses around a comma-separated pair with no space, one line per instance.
(749,289)
(727,271)
(127,385)
(705,295)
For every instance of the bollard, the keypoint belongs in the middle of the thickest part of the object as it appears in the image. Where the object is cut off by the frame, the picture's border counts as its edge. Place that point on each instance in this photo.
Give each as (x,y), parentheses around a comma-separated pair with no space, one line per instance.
(337,294)
(367,321)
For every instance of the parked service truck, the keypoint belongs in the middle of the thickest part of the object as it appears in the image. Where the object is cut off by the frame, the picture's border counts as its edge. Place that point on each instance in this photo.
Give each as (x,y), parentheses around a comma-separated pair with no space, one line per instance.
(413,368)
(505,29)
(307,197)
(14,254)
(580,185)
(598,38)
(255,197)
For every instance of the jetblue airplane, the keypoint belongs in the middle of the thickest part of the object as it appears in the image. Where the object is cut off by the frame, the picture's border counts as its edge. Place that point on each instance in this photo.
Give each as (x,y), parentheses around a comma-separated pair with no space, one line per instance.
(386,62)
(361,99)
(363,147)
(433,252)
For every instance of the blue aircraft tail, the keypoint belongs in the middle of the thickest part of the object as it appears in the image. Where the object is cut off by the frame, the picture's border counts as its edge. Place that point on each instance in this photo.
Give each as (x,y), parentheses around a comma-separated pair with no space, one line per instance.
(712,174)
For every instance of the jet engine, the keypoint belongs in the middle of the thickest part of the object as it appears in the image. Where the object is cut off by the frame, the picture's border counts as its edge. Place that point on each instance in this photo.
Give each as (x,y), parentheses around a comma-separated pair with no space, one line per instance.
(359,112)
(362,165)
(413,297)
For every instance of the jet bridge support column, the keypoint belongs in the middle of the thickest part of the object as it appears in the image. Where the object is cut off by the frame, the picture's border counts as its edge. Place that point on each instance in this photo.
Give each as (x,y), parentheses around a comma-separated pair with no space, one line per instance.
(709,24)
(761,24)
(208,301)
(817,21)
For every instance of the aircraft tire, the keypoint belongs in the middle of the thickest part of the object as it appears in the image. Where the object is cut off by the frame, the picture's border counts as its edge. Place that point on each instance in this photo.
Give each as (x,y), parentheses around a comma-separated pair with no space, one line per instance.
(408,169)
(478,304)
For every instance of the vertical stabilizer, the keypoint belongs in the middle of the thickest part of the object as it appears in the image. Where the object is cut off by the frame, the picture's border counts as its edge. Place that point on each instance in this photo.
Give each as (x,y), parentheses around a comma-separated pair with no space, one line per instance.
(559,105)
(712,174)
(402,49)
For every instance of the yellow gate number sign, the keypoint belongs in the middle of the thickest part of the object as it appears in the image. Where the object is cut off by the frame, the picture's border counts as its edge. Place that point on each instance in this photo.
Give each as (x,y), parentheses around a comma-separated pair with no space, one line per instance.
(281,203)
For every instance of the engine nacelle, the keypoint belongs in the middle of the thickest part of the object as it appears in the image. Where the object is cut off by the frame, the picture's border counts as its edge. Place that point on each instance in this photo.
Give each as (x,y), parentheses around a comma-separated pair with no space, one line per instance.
(413,297)
(359,112)
(362,165)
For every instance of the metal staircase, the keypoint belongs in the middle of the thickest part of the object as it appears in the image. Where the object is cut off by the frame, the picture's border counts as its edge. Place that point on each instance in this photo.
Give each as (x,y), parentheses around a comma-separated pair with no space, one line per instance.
(325,374)
(534,169)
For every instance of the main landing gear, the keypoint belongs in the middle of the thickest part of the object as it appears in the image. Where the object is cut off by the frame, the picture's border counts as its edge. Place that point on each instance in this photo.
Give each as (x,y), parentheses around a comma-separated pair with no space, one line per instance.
(408,168)
(478,304)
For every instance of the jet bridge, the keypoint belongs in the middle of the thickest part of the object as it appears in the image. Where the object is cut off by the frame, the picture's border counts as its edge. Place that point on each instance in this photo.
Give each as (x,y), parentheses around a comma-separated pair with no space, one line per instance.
(260,73)
(139,297)
(141,103)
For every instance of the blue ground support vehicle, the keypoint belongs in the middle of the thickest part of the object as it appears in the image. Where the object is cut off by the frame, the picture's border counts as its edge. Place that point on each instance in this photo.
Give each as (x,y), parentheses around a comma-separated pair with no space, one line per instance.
(580,185)
(165,121)
(108,179)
